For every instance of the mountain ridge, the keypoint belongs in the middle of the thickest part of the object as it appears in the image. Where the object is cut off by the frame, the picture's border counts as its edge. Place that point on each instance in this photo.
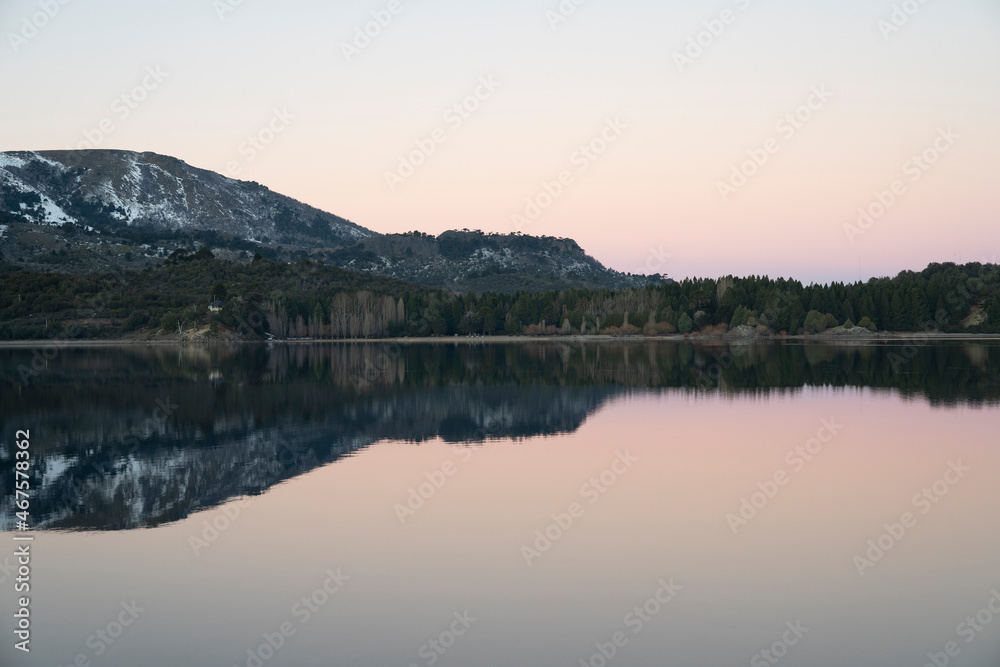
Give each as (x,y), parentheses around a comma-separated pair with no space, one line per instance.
(124,209)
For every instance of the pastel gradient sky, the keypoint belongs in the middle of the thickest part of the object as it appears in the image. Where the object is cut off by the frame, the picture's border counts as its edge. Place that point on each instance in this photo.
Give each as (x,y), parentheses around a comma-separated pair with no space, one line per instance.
(649,203)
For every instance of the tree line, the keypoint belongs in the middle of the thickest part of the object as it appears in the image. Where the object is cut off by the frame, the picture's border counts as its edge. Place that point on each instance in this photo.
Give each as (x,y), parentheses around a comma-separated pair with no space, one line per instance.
(268,299)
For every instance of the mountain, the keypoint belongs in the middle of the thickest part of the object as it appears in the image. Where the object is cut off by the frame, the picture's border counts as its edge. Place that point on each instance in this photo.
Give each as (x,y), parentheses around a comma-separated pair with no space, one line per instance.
(114,190)
(91,210)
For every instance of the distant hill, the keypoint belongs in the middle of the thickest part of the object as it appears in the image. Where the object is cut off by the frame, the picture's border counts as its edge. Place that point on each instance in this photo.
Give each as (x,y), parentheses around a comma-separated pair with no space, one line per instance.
(473,261)
(94,210)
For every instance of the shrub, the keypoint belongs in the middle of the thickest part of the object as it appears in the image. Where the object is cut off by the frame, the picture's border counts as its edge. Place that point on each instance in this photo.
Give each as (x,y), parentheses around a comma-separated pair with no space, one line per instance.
(136,320)
(168,322)
(658,328)
(715,329)
(866,323)
(628,330)
(816,322)
(740,317)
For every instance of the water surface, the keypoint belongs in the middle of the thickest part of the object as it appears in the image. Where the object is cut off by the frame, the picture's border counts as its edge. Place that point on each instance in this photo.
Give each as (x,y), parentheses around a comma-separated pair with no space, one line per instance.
(508,504)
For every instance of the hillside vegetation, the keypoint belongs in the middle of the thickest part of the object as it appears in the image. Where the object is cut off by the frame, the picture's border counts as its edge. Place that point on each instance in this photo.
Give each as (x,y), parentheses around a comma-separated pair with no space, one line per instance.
(308,299)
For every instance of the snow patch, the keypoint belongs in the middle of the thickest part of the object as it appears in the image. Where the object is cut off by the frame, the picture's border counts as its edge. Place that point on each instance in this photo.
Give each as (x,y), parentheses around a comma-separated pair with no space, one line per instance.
(111,196)
(55,466)
(52,213)
(8,160)
(135,174)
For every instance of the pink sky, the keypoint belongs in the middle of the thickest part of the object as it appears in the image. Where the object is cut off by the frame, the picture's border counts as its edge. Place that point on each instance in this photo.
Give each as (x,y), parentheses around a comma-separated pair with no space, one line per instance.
(649,202)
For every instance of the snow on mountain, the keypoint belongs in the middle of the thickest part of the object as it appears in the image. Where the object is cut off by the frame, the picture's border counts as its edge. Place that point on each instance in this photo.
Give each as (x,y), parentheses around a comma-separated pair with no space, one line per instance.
(109,189)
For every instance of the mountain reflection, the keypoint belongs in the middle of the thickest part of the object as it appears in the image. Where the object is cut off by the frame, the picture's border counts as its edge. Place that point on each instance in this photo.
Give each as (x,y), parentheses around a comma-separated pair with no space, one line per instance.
(135,437)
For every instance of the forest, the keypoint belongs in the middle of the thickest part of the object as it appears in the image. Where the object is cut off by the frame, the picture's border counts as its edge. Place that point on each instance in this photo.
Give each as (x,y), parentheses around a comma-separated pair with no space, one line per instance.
(265,299)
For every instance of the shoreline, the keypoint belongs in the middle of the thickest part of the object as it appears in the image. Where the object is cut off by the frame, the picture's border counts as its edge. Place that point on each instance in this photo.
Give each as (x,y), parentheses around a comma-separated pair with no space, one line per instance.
(439,340)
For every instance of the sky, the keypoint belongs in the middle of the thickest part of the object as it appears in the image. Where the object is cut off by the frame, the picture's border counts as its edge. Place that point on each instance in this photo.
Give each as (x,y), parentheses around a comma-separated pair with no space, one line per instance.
(822,141)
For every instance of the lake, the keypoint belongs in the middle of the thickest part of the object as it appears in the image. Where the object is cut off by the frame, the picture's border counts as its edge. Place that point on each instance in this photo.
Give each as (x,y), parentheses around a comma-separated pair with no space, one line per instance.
(551,503)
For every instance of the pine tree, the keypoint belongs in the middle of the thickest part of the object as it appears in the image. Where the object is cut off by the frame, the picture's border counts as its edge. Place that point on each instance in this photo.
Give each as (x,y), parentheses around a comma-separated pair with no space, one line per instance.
(917,315)
(848,311)
(897,313)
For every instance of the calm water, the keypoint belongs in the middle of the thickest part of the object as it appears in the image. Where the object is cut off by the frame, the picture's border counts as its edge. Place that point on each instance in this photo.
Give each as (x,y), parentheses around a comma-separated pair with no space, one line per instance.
(535,504)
